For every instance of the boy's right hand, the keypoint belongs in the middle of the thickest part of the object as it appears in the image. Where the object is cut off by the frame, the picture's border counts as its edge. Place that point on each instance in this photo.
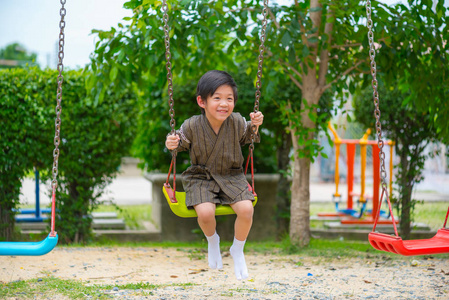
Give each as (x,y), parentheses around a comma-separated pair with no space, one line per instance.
(172,141)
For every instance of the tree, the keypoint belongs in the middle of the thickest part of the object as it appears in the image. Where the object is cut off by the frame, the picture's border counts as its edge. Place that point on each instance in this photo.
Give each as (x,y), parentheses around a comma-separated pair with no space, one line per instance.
(417,52)
(16,55)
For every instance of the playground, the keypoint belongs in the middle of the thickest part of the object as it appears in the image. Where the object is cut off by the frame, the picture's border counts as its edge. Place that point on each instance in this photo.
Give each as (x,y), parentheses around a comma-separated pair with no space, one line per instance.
(117,107)
(180,273)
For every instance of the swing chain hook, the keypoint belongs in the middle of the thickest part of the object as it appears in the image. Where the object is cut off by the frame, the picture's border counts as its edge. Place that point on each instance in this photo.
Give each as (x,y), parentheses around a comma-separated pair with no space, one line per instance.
(60,67)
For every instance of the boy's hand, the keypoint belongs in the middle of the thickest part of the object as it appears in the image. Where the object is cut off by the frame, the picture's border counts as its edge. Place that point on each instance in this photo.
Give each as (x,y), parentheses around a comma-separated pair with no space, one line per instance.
(256,118)
(172,142)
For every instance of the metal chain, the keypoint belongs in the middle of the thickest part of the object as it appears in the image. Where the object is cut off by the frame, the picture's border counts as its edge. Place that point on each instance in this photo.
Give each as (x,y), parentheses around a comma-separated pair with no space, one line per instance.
(259,69)
(62,13)
(372,54)
(168,67)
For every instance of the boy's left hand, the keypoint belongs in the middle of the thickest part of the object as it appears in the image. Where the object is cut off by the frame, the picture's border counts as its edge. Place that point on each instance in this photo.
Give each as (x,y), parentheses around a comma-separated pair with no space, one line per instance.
(256,118)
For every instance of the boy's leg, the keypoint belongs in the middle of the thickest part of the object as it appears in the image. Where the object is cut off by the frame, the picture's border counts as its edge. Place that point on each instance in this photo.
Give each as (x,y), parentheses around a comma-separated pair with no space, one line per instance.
(244,211)
(206,220)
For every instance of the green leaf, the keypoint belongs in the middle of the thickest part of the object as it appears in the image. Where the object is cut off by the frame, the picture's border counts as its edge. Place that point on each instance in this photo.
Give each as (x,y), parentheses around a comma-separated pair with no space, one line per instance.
(113,73)
(292,56)
(286,39)
(313,39)
(185,3)
(305,51)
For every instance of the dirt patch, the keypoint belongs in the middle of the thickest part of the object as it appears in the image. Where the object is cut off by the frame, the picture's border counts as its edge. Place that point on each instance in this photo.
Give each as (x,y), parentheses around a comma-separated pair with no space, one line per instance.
(184,274)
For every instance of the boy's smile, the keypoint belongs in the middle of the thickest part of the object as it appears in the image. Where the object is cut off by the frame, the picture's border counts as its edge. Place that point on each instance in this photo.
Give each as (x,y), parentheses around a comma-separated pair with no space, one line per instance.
(219,106)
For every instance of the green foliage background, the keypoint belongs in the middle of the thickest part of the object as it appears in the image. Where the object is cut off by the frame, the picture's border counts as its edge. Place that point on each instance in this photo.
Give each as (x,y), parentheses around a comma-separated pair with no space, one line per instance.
(94,138)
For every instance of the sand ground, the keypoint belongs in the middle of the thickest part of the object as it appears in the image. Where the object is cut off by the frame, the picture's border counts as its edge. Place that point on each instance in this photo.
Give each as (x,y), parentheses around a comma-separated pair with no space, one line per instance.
(184,274)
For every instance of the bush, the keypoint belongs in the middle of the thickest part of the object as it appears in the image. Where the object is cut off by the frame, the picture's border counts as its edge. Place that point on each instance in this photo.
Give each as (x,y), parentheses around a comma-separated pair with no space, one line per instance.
(21,137)
(94,138)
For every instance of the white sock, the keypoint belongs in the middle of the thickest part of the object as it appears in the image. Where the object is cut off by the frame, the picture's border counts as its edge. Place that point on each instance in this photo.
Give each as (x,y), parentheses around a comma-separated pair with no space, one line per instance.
(241,271)
(213,252)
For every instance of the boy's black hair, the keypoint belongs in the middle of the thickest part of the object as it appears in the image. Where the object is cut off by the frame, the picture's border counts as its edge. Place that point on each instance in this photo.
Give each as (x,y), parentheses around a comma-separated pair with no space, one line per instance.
(211,81)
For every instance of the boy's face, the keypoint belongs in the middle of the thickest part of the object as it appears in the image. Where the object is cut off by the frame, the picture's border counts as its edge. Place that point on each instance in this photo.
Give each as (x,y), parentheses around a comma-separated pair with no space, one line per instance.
(219,106)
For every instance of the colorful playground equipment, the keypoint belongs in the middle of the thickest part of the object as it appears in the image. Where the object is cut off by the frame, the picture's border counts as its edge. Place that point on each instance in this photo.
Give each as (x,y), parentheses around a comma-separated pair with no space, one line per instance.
(36,214)
(361,197)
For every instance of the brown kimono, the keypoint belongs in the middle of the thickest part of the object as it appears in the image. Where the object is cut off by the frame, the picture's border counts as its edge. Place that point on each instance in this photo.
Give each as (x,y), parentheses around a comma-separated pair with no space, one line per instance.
(216,174)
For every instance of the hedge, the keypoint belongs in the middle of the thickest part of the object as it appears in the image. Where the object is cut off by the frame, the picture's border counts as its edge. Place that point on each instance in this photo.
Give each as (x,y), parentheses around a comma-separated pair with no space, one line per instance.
(94,138)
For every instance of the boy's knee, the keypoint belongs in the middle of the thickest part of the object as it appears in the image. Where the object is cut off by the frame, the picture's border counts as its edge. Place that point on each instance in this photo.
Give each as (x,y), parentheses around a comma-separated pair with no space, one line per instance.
(206,215)
(246,211)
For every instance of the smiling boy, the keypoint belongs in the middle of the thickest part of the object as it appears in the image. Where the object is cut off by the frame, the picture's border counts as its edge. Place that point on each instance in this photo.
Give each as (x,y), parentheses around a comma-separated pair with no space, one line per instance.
(214,141)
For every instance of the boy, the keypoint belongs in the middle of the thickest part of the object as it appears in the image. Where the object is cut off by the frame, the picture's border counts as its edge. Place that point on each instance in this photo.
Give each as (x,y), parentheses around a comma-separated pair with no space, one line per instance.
(214,140)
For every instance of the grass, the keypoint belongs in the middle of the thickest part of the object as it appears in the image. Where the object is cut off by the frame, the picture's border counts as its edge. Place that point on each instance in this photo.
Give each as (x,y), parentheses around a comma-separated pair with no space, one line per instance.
(54,288)
(429,213)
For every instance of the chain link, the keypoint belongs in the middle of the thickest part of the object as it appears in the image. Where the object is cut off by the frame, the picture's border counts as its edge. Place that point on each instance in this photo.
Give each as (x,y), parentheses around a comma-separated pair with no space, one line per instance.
(259,68)
(57,140)
(372,55)
(171,103)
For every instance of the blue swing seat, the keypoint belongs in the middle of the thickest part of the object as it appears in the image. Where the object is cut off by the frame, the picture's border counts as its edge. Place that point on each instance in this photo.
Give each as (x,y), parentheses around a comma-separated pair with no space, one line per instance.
(29,248)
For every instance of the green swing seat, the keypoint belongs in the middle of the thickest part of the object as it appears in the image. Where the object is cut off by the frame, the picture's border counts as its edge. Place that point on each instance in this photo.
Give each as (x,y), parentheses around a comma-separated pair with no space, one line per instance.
(178,204)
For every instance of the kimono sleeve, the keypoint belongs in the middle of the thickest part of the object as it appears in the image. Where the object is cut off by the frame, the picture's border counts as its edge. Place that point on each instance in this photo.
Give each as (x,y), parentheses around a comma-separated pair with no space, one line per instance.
(185,134)
(246,135)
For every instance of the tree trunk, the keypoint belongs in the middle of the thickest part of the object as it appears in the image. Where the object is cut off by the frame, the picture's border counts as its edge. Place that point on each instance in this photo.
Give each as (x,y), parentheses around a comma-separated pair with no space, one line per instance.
(9,198)
(405,194)
(6,223)
(283,187)
(406,203)
(300,203)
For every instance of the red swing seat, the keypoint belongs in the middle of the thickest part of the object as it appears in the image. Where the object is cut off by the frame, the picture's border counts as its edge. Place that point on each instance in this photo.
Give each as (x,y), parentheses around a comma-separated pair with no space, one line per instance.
(393,243)
(436,245)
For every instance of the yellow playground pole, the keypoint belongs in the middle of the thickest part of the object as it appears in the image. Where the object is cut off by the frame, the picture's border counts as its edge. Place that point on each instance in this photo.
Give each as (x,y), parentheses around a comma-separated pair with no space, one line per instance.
(337,142)
(363,142)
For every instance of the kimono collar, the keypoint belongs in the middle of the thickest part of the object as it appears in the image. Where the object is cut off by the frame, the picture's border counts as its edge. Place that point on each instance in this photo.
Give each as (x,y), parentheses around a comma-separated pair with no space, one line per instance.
(209,126)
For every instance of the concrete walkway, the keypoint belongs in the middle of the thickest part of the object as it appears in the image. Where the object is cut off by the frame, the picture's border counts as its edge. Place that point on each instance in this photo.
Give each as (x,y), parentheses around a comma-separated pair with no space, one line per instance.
(135,190)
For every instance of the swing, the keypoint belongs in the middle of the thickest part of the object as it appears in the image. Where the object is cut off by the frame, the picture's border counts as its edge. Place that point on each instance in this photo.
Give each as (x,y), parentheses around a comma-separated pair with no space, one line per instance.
(394,243)
(176,200)
(48,244)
